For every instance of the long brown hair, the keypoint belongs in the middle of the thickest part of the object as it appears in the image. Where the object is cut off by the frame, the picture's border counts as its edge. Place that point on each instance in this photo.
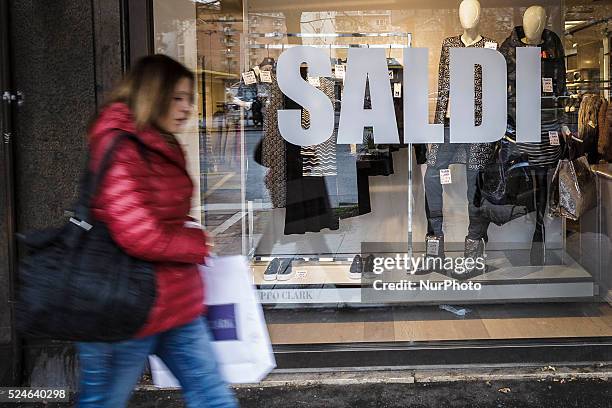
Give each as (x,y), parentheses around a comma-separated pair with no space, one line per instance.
(148,88)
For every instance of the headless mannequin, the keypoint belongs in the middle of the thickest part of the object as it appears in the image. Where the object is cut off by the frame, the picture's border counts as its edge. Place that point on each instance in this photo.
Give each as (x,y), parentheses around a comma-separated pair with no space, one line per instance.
(534,22)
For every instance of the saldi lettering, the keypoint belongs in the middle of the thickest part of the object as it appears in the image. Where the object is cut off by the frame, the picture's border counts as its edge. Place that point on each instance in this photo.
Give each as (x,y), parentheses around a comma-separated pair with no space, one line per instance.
(369,65)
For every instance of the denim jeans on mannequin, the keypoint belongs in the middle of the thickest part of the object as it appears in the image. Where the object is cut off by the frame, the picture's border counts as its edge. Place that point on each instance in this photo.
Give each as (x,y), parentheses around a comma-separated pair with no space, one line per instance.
(477,227)
(109,371)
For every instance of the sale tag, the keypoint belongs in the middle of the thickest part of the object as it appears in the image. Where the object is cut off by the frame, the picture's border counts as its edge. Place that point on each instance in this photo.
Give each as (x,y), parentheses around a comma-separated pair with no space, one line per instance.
(547,85)
(314,81)
(591,124)
(491,45)
(339,71)
(553,136)
(397,90)
(445,176)
(249,78)
(566,131)
(433,247)
(390,74)
(265,76)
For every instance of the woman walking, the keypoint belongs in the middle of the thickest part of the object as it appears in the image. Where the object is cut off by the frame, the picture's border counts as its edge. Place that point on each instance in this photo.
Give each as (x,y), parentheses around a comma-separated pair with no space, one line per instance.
(144,199)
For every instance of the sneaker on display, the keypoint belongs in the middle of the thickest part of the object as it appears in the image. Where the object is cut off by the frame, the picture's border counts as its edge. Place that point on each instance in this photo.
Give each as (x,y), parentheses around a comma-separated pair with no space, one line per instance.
(285,270)
(474,249)
(272,270)
(356,267)
(368,266)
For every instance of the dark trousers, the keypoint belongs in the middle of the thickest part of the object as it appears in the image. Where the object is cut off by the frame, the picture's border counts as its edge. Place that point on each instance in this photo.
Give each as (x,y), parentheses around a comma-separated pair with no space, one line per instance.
(434,205)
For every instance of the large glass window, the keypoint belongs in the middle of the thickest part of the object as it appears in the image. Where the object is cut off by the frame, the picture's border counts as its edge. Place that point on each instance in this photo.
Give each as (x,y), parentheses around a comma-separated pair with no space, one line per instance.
(512,234)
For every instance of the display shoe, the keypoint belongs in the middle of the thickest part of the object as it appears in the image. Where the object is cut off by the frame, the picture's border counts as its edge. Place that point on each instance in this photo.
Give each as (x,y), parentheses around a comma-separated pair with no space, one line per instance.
(272,270)
(434,255)
(356,267)
(368,266)
(285,270)
(474,250)
(537,256)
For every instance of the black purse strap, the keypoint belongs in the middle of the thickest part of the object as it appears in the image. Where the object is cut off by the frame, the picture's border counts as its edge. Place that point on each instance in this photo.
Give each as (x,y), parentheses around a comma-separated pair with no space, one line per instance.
(92,180)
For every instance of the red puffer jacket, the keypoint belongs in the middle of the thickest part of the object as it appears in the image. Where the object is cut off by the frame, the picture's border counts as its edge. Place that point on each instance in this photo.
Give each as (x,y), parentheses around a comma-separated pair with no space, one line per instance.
(145,206)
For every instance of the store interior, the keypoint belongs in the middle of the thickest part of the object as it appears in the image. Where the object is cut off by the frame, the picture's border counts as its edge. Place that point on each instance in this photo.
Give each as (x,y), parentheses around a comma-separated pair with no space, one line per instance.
(307,262)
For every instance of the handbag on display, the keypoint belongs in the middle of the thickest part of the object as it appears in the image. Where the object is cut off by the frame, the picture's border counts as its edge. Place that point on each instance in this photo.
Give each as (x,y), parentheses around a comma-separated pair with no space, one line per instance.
(235,317)
(76,283)
(573,188)
(505,186)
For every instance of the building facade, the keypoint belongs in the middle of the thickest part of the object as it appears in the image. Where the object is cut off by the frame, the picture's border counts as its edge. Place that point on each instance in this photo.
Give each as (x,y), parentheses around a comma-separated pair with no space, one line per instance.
(315,220)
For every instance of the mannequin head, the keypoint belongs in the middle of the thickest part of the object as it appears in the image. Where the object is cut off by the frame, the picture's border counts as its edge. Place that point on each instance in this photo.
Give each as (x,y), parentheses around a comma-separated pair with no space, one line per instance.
(469,14)
(534,22)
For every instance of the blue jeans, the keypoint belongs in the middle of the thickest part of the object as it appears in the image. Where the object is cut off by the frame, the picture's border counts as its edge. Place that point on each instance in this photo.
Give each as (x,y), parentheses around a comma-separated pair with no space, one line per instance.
(110,371)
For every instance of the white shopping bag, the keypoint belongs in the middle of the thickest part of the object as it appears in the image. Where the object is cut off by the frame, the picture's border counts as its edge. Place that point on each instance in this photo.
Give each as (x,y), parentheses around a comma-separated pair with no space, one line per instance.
(241,340)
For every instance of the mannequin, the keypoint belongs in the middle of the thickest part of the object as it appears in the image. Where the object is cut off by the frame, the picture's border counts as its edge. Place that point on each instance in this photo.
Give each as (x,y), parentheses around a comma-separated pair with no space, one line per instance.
(474,155)
(534,22)
(542,155)
(469,15)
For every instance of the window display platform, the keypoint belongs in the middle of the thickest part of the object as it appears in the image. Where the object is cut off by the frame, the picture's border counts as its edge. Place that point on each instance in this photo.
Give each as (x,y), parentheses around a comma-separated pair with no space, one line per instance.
(429,323)
(509,277)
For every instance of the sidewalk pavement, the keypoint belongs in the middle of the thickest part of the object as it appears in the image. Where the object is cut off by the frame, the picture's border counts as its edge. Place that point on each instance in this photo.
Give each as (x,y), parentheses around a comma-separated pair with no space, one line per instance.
(468,387)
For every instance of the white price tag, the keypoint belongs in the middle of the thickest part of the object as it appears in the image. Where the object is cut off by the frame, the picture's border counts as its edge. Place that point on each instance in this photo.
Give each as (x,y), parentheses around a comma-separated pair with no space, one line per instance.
(547,85)
(553,137)
(445,176)
(265,76)
(339,71)
(249,78)
(433,246)
(314,81)
(591,124)
(566,131)
(491,45)
(390,74)
(301,274)
(397,90)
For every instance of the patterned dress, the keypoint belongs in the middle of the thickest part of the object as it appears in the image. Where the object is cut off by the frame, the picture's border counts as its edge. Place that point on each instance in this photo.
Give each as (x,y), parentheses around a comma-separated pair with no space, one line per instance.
(273,147)
(474,155)
(320,160)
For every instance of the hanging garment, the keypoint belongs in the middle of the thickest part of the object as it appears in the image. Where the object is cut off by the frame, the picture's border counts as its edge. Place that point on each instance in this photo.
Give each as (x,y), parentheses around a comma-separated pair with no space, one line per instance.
(592,127)
(474,155)
(553,114)
(603,125)
(307,206)
(273,146)
(605,140)
(367,167)
(320,160)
